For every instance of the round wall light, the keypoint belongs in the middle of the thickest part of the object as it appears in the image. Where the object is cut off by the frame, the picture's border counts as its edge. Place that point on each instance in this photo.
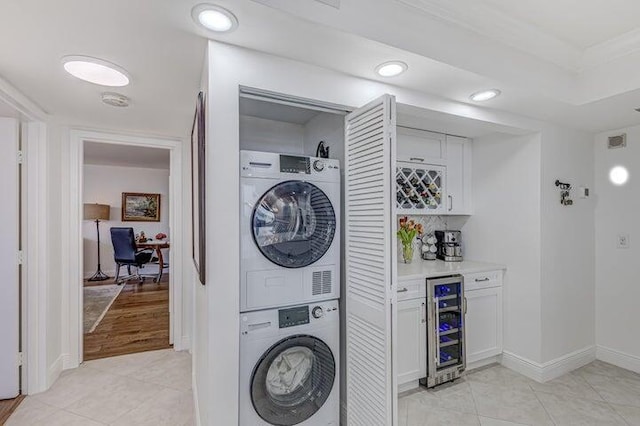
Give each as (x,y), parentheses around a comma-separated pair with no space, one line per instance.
(214,18)
(619,175)
(391,69)
(485,95)
(96,71)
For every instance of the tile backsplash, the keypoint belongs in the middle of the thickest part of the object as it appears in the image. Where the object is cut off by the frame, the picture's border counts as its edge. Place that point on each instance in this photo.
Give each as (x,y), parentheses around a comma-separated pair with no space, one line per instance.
(432,224)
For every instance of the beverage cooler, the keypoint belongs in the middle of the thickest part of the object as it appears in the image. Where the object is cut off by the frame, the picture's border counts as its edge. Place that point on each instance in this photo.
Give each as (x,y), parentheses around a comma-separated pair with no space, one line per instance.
(446,308)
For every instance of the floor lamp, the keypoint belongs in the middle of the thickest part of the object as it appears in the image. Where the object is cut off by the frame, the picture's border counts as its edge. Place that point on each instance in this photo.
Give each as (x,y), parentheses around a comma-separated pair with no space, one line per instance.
(97,212)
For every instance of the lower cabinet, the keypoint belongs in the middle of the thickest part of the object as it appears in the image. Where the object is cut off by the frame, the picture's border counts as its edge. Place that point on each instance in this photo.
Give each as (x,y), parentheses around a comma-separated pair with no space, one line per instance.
(483,323)
(412,340)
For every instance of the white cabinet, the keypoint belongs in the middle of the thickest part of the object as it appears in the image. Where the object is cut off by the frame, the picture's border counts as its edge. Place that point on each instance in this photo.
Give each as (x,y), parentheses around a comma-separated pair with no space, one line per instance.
(484,326)
(421,146)
(458,177)
(433,173)
(412,340)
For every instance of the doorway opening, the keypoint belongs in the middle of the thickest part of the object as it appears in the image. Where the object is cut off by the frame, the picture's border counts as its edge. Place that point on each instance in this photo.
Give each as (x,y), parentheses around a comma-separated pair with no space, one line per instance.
(126,242)
(141,310)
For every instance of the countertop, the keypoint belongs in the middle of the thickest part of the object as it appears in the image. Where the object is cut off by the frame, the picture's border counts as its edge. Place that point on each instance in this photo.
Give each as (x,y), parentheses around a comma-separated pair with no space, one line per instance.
(438,268)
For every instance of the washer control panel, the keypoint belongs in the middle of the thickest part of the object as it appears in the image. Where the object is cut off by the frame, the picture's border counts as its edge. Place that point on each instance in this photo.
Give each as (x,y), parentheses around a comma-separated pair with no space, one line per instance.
(293,316)
(318,165)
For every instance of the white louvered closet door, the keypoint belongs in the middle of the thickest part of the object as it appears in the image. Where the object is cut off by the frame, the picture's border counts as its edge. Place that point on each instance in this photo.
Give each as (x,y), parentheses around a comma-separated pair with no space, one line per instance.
(370,257)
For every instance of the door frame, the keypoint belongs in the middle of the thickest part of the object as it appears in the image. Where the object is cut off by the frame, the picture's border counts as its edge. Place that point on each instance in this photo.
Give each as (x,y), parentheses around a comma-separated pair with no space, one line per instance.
(73,259)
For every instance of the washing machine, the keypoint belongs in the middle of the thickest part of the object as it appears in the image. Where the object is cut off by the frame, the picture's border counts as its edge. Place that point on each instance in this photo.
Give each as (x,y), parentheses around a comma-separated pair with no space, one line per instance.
(289,372)
(290,230)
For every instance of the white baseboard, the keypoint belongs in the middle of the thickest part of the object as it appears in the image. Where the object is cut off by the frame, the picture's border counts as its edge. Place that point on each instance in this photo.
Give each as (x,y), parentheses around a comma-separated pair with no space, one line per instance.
(196,405)
(496,359)
(185,344)
(54,370)
(550,369)
(617,358)
(405,387)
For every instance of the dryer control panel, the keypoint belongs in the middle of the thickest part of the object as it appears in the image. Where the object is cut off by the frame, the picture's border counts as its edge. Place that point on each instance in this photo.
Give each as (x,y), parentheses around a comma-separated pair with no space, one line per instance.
(293,316)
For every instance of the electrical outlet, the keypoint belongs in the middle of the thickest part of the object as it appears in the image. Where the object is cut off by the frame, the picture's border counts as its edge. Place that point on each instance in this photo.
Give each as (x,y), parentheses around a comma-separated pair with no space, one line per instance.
(623,241)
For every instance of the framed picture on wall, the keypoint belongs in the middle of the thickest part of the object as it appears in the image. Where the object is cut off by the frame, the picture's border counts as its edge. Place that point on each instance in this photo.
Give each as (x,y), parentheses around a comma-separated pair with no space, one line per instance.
(140,207)
(198,189)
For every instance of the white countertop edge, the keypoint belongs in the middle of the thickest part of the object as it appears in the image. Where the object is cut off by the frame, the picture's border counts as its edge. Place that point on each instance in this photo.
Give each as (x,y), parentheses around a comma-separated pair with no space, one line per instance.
(420,269)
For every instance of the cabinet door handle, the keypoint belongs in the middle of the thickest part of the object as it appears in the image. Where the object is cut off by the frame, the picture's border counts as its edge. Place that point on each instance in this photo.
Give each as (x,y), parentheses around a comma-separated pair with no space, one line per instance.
(403,290)
(450,202)
(479,280)
(417,159)
(424,312)
(464,301)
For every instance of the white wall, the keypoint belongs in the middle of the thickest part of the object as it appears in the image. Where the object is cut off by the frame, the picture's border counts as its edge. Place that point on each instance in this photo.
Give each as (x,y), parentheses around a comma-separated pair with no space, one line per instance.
(617,287)
(259,134)
(105,185)
(568,275)
(505,229)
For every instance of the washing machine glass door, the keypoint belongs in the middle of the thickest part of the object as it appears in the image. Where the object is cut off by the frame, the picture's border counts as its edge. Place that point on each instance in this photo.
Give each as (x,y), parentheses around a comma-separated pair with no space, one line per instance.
(292,380)
(294,224)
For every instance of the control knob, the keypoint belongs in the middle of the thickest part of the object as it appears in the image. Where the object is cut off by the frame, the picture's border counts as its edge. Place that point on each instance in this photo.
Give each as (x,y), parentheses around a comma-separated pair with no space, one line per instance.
(317,312)
(318,165)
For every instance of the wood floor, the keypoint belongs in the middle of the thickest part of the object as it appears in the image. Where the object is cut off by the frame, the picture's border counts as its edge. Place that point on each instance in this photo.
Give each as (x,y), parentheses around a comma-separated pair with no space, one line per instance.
(137,321)
(8,406)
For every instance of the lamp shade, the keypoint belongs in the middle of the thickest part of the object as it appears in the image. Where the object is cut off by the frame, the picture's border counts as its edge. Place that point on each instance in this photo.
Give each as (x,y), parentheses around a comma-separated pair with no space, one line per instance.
(97,212)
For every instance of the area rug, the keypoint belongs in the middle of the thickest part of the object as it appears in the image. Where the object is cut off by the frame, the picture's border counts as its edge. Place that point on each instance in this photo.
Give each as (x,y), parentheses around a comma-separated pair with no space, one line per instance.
(97,301)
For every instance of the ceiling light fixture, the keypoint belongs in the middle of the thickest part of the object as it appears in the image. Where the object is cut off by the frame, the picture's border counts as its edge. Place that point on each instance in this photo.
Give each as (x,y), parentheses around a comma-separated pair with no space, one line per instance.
(214,18)
(485,95)
(96,71)
(619,175)
(391,69)
(115,99)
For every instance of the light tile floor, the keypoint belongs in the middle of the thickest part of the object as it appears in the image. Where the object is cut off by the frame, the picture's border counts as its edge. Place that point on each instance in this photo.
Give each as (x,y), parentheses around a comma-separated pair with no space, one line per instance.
(598,394)
(147,388)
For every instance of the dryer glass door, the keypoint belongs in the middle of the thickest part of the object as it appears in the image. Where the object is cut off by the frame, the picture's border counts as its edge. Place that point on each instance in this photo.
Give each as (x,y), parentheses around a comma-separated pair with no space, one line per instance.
(292,380)
(294,224)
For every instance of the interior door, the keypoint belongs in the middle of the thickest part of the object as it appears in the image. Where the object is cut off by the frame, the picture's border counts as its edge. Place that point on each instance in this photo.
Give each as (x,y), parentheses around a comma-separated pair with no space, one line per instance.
(9,224)
(370,243)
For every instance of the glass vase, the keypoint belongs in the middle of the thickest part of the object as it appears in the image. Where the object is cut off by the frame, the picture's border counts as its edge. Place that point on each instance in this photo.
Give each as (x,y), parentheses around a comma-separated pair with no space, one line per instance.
(407,253)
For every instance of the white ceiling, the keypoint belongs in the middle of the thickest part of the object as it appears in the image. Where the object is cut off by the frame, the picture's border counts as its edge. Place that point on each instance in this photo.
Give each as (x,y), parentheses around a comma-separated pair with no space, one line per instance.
(536,57)
(106,154)
(582,23)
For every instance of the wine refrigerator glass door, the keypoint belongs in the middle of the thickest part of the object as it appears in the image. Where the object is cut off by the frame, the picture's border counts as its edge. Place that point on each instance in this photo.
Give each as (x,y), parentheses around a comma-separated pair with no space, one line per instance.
(445,331)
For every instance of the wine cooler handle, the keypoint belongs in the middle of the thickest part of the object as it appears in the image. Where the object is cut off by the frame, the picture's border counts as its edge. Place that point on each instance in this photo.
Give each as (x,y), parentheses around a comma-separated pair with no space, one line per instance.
(465,305)
(417,159)
(424,312)
(437,313)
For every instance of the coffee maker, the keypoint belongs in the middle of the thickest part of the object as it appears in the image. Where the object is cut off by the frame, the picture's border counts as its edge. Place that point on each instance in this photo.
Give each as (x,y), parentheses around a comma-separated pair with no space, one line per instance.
(449,246)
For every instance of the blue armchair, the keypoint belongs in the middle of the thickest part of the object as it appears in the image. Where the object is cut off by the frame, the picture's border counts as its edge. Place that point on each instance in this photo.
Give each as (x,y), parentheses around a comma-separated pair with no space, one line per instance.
(125,253)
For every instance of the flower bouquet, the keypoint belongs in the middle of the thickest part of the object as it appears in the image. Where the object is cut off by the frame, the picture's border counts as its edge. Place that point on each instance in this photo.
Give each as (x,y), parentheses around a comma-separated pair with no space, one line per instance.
(407,232)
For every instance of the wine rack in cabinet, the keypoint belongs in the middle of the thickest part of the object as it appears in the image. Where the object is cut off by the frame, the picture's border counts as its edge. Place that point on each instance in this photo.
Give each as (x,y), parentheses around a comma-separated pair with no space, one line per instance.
(420,189)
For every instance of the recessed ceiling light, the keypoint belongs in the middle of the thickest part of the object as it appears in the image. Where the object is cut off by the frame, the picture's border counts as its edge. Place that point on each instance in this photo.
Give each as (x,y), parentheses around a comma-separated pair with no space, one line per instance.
(619,175)
(214,18)
(391,69)
(485,95)
(96,71)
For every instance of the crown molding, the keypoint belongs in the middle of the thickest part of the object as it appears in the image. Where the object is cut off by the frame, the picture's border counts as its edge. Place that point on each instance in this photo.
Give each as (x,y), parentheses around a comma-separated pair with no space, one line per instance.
(500,27)
(610,50)
(520,35)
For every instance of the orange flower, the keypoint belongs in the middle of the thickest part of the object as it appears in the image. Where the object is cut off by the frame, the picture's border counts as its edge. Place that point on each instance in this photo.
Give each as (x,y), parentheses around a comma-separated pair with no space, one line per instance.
(403,221)
(411,225)
(419,228)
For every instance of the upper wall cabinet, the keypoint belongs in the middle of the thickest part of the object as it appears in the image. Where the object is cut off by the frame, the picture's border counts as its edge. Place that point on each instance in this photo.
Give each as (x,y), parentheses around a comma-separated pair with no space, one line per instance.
(458,175)
(433,173)
(421,147)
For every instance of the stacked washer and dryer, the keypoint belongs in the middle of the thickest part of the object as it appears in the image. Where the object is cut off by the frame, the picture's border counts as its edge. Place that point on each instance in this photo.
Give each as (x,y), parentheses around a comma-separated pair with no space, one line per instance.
(289,290)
